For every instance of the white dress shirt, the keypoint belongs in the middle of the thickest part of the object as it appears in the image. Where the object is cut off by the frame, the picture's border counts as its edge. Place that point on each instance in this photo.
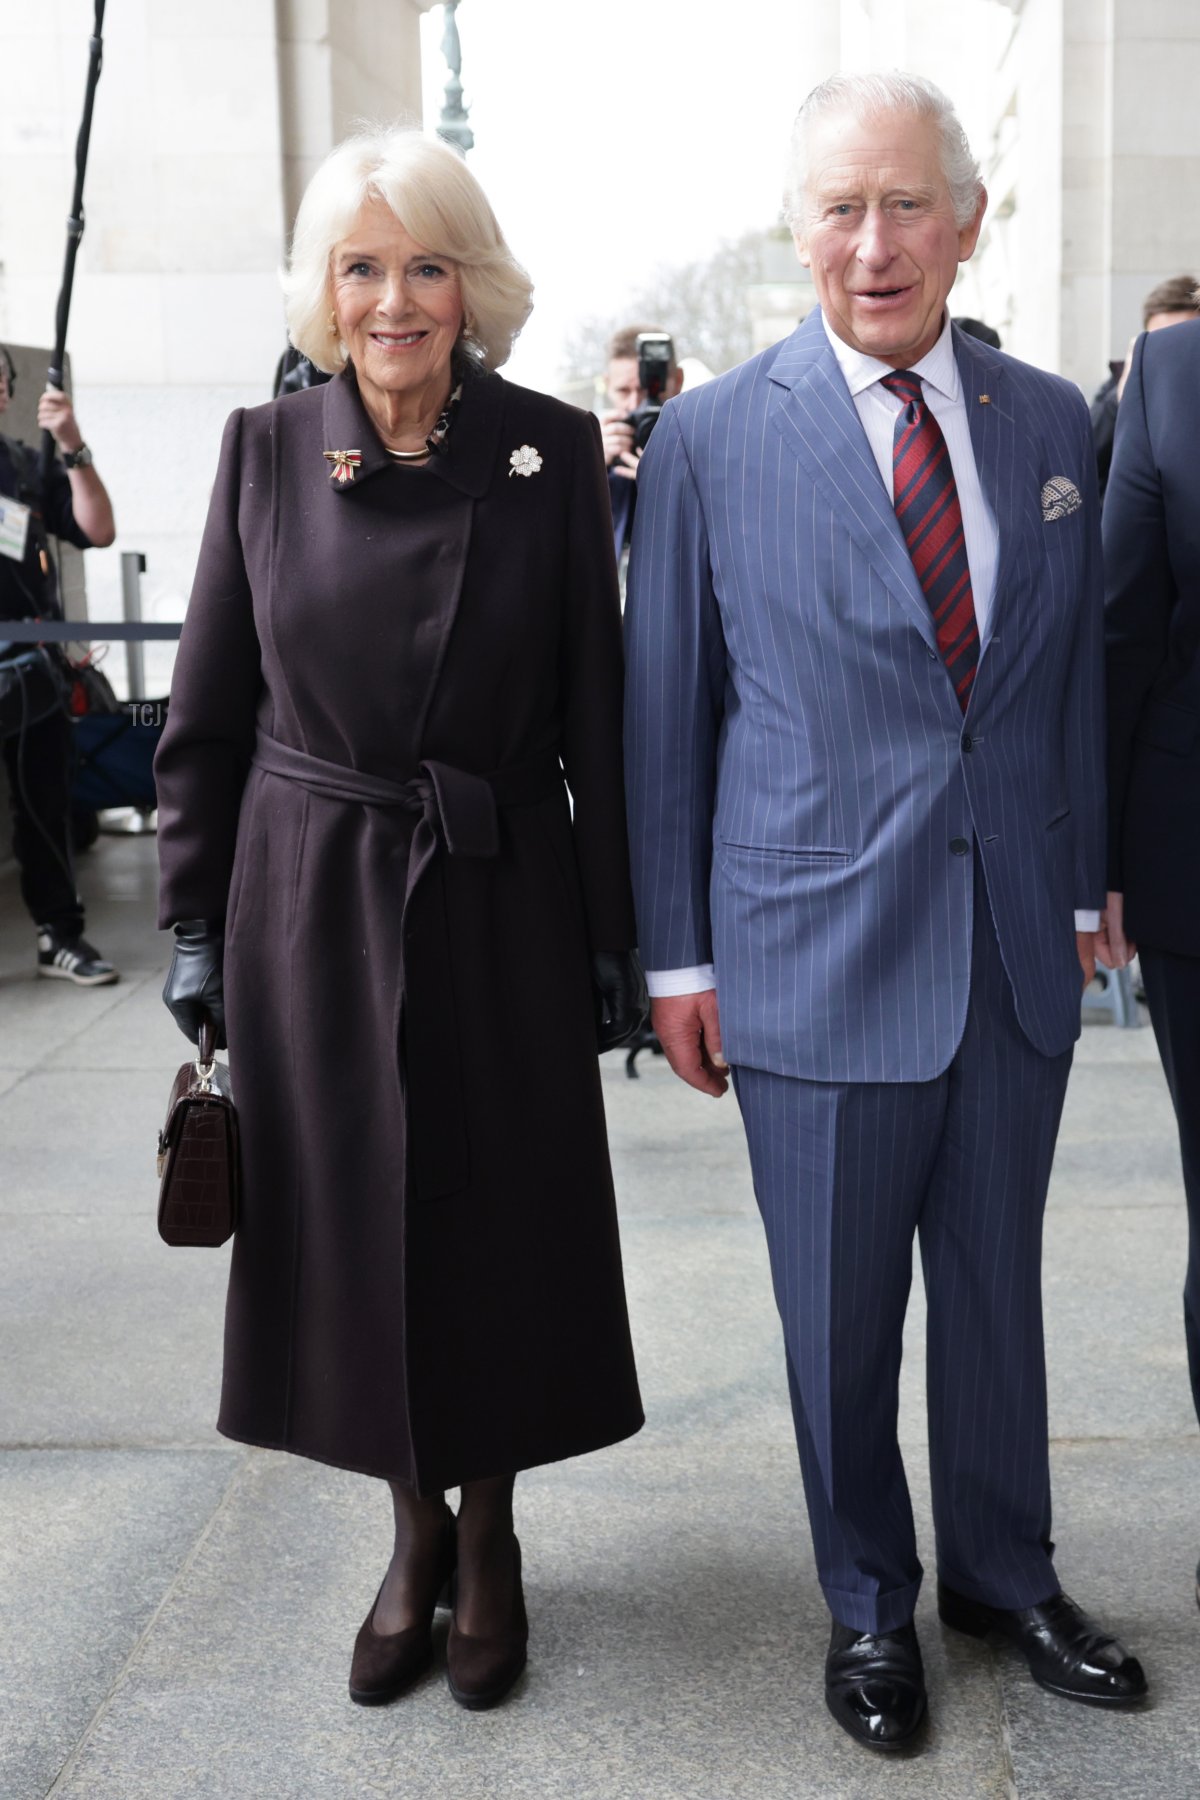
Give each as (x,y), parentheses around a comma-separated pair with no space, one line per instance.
(877,410)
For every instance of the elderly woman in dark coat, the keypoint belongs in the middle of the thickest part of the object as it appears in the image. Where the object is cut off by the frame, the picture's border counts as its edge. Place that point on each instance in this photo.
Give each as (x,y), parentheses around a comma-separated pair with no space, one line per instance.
(403,637)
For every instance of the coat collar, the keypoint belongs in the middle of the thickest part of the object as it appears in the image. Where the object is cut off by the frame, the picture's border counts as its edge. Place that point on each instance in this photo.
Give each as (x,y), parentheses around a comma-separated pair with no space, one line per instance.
(468,462)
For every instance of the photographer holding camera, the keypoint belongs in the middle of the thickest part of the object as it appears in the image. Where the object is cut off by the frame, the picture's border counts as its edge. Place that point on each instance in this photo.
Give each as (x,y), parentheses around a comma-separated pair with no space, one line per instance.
(641,375)
(34,729)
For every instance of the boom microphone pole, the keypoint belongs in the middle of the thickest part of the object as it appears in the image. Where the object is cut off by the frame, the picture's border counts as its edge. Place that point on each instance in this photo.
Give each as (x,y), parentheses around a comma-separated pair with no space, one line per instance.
(54,375)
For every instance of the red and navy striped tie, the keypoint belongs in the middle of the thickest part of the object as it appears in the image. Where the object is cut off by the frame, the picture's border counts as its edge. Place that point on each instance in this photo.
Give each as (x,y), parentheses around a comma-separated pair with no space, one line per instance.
(927,507)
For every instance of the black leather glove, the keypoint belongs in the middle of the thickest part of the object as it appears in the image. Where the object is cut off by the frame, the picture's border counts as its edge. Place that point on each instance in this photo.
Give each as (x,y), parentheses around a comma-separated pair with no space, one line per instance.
(194,984)
(622,1004)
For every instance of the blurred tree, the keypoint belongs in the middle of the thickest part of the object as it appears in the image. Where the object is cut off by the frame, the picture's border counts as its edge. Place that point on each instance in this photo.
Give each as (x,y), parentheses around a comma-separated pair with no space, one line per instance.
(705,305)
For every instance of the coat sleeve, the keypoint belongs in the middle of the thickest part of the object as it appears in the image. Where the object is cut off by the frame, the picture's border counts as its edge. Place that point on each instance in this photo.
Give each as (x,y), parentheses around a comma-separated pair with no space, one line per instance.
(675,685)
(204,755)
(1140,592)
(592,678)
(1084,708)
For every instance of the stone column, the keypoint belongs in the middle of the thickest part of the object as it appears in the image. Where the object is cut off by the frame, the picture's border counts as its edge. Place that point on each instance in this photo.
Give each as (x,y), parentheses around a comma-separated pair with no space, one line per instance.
(1094,172)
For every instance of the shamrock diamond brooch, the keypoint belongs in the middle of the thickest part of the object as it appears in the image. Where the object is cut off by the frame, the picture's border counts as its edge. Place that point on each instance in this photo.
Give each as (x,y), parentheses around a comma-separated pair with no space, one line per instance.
(525,461)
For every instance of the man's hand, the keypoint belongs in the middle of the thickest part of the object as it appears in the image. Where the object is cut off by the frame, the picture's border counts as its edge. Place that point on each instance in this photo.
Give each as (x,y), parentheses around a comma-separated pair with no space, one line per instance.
(1085,944)
(689,1029)
(1112,946)
(57,416)
(617,438)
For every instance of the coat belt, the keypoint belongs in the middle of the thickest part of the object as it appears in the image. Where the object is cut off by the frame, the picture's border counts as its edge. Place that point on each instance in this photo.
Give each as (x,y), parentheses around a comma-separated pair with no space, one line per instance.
(459,814)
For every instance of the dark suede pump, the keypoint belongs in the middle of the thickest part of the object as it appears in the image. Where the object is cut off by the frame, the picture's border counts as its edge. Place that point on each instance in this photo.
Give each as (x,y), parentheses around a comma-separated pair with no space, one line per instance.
(385,1664)
(875,1685)
(480,1671)
(1067,1653)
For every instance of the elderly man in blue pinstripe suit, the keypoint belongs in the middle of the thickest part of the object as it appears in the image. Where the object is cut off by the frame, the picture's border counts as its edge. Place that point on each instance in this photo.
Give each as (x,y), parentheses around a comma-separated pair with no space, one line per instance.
(865,753)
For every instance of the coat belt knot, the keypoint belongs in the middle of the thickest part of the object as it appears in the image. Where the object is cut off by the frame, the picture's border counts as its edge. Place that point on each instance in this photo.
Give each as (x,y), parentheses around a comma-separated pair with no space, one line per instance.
(460,812)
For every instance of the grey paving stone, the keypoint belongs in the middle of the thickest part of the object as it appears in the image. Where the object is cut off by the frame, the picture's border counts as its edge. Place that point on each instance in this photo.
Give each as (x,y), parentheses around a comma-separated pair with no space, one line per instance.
(1103,1042)
(38,1016)
(138,1033)
(80,1144)
(1129,1534)
(90,1546)
(106,1335)
(1114,1323)
(677,1648)
(675,1152)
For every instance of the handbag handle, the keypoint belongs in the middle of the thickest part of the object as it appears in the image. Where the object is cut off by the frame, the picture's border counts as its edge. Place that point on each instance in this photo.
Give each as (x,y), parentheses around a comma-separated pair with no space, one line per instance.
(206,1049)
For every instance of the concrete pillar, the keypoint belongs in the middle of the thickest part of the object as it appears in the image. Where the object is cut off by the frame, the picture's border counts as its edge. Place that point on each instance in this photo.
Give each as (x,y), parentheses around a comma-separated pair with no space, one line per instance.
(1094,171)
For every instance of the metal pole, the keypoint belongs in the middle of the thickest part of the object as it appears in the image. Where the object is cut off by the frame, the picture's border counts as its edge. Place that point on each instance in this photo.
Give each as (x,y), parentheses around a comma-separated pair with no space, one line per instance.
(133,567)
(453,124)
(54,375)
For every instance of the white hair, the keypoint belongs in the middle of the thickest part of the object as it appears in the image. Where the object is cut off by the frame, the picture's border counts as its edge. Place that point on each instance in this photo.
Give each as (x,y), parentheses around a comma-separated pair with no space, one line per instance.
(867,97)
(439,202)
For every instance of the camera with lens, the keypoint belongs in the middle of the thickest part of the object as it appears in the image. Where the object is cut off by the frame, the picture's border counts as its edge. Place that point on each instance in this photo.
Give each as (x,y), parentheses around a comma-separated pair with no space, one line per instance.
(656,358)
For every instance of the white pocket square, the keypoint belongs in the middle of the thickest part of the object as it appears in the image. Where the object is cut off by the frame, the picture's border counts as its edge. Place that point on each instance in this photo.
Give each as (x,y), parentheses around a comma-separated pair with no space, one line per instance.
(1059,498)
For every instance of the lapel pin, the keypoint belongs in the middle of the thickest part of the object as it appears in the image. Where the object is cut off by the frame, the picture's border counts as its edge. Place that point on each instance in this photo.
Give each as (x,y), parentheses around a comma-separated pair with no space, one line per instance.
(525,461)
(985,399)
(344,463)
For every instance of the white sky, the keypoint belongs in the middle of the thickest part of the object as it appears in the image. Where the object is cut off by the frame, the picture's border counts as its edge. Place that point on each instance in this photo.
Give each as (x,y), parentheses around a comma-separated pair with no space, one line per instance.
(613,138)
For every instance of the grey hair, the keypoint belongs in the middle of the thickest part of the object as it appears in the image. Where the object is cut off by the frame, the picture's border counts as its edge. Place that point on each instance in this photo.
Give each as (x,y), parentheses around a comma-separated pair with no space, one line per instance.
(439,202)
(866,97)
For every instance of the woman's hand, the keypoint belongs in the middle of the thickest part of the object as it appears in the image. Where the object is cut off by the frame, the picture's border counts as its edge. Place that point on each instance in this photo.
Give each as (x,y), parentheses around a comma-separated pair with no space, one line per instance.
(194,987)
(622,1004)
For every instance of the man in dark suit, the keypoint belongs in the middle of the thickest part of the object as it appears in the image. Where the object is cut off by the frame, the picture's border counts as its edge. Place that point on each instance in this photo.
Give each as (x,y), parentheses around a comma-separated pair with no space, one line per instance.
(865,751)
(1152,558)
(1172,302)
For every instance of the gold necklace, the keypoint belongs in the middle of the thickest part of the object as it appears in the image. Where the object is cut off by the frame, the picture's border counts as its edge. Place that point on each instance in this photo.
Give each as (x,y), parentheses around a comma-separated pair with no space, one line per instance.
(437,436)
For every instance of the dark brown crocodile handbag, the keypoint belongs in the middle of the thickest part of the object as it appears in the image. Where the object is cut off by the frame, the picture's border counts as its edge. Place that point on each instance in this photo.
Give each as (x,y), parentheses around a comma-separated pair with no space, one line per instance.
(198,1153)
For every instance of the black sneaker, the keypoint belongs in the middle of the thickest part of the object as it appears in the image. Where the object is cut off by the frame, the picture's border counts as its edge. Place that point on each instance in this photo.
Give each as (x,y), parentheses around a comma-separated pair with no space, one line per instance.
(72,959)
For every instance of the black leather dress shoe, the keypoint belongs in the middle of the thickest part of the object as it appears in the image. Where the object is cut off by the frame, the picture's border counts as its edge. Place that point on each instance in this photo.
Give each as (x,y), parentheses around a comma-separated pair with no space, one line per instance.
(1067,1654)
(875,1685)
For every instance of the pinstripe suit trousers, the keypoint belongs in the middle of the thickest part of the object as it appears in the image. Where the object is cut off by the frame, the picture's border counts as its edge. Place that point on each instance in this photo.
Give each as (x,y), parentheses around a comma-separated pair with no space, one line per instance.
(845,1173)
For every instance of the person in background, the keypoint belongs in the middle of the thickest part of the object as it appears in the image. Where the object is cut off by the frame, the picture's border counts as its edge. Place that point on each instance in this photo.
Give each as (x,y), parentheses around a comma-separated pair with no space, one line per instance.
(985,334)
(625,394)
(402,646)
(1152,563)
(73,506)
(1172,302)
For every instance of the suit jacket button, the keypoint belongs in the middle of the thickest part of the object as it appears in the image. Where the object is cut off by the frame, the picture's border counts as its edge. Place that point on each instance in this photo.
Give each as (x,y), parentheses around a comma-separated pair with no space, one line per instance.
(959,847)
(968,742)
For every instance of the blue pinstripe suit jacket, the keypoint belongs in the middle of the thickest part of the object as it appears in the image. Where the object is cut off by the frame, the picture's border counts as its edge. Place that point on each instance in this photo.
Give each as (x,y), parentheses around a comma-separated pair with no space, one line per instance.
(797,759)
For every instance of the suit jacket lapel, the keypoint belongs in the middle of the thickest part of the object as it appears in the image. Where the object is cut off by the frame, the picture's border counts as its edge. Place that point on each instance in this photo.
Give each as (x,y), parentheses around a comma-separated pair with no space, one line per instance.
(811,408)
(1002,457)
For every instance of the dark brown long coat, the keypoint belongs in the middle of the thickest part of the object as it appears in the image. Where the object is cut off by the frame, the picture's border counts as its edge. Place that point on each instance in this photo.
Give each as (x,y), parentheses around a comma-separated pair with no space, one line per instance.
(426,1283)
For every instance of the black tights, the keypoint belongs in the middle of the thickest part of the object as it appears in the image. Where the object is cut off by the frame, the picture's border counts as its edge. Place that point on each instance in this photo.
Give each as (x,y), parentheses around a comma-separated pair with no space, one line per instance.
(485,1559)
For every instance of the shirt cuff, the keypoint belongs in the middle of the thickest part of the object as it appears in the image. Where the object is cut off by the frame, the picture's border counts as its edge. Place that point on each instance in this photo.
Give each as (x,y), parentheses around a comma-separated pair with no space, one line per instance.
(1087,921)
(664,982)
